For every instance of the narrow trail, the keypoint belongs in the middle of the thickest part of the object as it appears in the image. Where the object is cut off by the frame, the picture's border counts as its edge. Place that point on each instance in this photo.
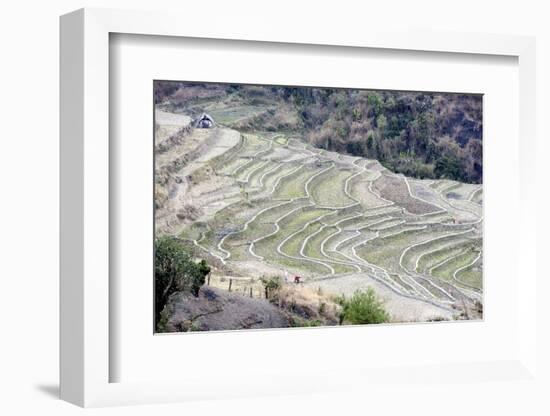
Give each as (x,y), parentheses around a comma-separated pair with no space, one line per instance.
(441,209)
(468,291)
(246,224)
(389,203)
(277,229)
(467,266)
(448,201)
(261,181)
(306,225)
(474,192)
(280,178)
(427,242)
(328,259)
(445,261)
(250,172)
(417,276)
(197,243)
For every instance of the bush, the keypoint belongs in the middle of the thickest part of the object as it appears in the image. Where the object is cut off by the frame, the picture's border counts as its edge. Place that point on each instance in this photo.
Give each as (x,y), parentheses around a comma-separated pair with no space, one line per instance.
(175,271)
(363,308)
(271,286)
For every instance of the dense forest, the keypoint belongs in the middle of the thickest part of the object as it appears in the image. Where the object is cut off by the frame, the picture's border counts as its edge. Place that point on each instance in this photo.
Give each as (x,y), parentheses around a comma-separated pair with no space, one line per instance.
(425,135)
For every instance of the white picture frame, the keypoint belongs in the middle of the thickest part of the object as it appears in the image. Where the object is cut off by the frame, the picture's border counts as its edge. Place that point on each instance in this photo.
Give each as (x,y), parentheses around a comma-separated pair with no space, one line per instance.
(85,182)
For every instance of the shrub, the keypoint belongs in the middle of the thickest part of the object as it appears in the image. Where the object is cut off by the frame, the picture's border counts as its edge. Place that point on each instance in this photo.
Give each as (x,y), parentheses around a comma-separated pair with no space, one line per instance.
(363,308)
(307,304)
(271,286)
(450,166)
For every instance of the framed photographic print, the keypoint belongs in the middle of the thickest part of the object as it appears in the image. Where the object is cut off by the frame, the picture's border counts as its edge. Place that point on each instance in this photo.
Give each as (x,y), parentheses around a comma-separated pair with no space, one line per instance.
(327,209)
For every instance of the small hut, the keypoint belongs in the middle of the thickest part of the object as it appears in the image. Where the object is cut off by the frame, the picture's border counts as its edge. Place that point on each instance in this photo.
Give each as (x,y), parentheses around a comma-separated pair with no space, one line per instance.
(204,122)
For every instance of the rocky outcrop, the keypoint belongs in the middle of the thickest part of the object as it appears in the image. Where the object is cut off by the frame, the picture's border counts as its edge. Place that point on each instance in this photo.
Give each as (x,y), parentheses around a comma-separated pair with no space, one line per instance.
(216,309)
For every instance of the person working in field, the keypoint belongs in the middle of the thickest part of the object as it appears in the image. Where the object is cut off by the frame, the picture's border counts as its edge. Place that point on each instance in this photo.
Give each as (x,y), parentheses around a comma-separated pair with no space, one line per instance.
(297,279)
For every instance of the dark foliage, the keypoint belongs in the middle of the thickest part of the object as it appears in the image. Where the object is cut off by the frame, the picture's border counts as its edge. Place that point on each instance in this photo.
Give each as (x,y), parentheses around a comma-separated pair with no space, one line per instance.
(175,271)
(363,308)
(426,135)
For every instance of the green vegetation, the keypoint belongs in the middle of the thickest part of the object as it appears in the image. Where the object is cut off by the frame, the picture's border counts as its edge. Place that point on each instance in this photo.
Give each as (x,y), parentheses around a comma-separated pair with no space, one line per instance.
(293,186)
(328,188)
(471,276)
(282,140)
(385,252)
(439,255)
(233,165)
(424,135)
(271,178)
(362,308)
(409,259)
(290,224)
(194,231)
(229,115)
(175,271)
(271,286)
(445,272)
(313,249)
(265,167)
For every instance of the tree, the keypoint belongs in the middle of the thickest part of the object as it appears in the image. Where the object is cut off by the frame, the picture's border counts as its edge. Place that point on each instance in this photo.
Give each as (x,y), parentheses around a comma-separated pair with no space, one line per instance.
(175,271)
(375,103)
(449,166)
(363,308)
(203,270)
(356,114)
(425,130)
(474,149)
(382,123)
(271,286)
(354,148)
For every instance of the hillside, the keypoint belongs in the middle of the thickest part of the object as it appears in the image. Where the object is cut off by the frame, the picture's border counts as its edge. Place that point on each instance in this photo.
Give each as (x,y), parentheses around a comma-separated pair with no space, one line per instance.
(216,309)
(261,203)
(423,135)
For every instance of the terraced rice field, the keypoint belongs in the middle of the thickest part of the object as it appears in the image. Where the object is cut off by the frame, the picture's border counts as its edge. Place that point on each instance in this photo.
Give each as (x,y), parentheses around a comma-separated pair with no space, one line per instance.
(335,218)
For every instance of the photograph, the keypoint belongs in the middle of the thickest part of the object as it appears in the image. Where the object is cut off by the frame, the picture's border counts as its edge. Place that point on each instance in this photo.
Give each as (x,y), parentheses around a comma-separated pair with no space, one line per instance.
(301,206)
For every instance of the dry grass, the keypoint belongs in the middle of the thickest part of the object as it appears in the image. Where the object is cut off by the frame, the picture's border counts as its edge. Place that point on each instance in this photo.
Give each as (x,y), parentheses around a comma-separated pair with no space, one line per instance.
(304,303)
(161,196)
(308,304)
(241,285)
